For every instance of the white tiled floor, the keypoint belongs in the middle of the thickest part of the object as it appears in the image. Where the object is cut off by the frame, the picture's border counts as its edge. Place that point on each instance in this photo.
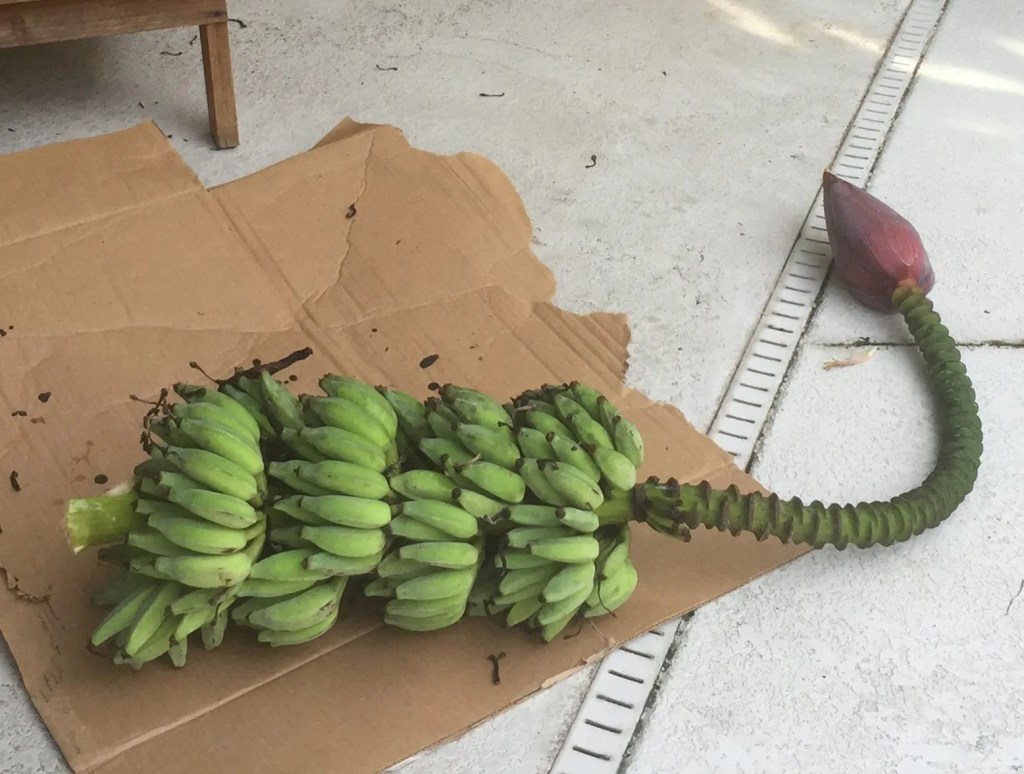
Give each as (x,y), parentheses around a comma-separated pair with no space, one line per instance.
(908,660)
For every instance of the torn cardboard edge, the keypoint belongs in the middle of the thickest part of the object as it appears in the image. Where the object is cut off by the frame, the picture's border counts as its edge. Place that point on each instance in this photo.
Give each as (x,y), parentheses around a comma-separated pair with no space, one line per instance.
(437,256)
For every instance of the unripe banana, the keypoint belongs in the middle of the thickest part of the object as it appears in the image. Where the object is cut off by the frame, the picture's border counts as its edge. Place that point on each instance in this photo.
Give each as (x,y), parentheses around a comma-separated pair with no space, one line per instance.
(289,506)
(424,608)
(411,413)
(589,430)
(343,478)
(587,397)
(452,554)
(569,581)
(442,583)
(346,415)
(197,535)
(266,589)
(216,472)
(288,537)
(195,395)
(117,587)
(363,394)
(147,566)
(442,420)
(157,644)
(628,441)
(474,406)
(252,405)
(427,624)
(552,629)
(197,599)
(303,610)
(616,468)
(567,606)
(529,592)
(231,445)
(282,407)
(329,564)
(517,580)
(553,516)
(153,541)
(409,528)
(450,519)
(570,550)
(494,480)
(286,566)
(175,479)
(538,418)
(337,444)
(424,485)
(345,541)
(538,484)
(206,571)
(241,611)
(610,594)
(521,537)
(481,506)
(348,511)
(301,448)
(154,612)
(522,611)
(124,612)
(495,445)
(574,486)
(443,452)
(579,519)
(212,632)
(534,443)
(276,638)
(215,507)
(517,559)
(192,621)
(572,453)
(394,567)
(614,561)
(286,473)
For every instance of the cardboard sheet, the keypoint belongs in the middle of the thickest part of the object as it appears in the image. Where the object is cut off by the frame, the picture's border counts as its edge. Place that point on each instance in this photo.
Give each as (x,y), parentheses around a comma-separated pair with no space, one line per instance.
(118,268)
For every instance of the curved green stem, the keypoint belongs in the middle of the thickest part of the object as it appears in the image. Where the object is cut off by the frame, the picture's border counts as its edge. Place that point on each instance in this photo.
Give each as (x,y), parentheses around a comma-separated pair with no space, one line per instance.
(97,521)
(677,509)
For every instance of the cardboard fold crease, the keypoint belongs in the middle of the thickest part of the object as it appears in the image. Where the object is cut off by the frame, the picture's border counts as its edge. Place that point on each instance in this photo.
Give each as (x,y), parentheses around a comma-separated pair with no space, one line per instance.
(120,269)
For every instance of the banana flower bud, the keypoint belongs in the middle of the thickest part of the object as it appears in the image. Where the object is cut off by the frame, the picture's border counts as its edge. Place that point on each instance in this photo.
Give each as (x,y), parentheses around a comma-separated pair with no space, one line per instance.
(874,248)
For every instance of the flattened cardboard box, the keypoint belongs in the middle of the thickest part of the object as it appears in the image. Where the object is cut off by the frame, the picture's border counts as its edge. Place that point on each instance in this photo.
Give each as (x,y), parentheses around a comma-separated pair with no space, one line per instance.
(119,268)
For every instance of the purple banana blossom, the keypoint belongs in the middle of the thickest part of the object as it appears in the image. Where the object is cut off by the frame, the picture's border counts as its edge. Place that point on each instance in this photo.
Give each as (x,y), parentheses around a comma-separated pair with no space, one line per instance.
(875,249)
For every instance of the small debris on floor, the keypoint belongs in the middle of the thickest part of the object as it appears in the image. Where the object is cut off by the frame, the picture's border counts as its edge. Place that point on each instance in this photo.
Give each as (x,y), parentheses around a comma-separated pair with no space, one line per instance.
(851,361)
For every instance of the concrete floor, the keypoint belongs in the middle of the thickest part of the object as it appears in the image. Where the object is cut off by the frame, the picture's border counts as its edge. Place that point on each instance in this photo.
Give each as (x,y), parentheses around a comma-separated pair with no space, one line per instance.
(711,121)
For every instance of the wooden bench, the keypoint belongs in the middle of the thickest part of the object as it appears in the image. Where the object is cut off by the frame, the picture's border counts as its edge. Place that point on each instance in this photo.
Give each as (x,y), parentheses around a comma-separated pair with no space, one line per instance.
(31,22)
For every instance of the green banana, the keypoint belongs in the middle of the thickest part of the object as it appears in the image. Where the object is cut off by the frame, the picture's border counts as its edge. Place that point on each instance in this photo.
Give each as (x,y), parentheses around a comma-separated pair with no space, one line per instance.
(282,407)
(348,510)
(157,644)
(289,537)
(239,449)
(572,453)
(194,394)
(117,587)
(276,638)
(494,480)
(197,599)
(291,508)
(442,421)
(521,537)
(306,609)
(537,482)
(552,629)
(261,589)
(154,612)
(191,622)
(570,550)
(286,473)
(569,581)
(453,555)
(442,583)
(345,541)
(443,452)
(517,580)
(216,507)
(206,571)
(585,427)
(215,472)
(611,593)
(343,478)
(123,613)
(517,559)
(424,485)
(574,486)
(567,606)
(212,632)
(337,444)
(252,405)
(537,418)
(553,516)
(534,443)
(425,608)
(410,412)
(330,564)
(450,519)
(153,541)
(286,566)
(522,611)
(394,567)
(197,535)
(364,395)
(628,441)
(614,561)
(300,446)
(497,446)
(616,468)
(587,397)
(426,624)
(474,406)
(409,528)
(346,415)
(480,506)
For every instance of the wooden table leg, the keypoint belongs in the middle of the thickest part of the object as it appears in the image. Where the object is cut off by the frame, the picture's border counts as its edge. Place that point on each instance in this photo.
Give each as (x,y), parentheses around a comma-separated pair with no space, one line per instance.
(220,87)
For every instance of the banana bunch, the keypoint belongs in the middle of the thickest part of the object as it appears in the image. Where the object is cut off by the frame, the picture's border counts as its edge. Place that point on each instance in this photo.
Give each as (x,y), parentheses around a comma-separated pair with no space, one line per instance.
(200,496)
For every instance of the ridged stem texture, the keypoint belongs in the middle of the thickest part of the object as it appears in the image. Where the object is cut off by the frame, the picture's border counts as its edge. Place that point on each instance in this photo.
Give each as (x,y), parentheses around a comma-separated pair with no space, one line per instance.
(677,509)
